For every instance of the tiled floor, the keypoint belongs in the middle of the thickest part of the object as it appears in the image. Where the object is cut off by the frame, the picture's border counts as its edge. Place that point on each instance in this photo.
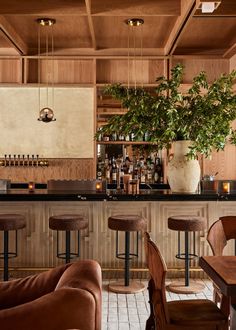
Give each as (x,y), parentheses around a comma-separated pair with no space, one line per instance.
(126,312)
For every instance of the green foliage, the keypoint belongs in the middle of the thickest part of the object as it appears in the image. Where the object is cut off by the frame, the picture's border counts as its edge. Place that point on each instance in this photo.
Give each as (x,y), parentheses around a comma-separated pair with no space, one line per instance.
(203,114)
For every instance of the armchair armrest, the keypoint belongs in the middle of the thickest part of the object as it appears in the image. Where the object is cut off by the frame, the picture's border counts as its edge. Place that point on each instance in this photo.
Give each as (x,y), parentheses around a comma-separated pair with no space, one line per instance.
(23,290)
(67,308)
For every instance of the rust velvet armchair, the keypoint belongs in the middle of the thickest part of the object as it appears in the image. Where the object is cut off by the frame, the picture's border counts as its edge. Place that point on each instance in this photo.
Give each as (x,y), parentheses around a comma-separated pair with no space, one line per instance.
(66,297)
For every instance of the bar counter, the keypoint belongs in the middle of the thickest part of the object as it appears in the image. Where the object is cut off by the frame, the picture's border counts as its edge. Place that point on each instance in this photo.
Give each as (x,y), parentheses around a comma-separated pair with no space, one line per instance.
(37,243)
(111,195)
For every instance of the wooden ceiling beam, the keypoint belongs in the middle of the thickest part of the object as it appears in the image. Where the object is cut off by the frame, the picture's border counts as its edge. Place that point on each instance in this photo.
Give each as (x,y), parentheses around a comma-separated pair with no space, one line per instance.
(90,23)
(13,37)
(230,52)
(187,10)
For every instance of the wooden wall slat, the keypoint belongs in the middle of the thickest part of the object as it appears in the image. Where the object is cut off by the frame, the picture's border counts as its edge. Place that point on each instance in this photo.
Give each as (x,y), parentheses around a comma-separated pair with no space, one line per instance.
(61,169)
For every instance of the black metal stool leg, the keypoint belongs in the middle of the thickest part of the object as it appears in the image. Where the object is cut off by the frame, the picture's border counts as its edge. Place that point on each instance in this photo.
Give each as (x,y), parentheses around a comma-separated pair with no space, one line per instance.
(78,241)
(127,257)
(67,246)
(5,252)
(186,259)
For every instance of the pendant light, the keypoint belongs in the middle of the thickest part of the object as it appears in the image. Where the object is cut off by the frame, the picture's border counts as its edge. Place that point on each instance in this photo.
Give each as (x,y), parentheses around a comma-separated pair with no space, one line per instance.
(46,113)
(135,45)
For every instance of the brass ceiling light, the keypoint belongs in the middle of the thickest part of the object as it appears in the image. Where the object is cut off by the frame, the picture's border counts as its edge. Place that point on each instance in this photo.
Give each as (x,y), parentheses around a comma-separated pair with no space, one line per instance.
(46,113)
(135,46)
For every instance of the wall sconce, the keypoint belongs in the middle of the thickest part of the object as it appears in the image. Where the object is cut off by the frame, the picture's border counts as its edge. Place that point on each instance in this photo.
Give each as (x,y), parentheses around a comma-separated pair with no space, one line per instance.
(208,6)
(46,114)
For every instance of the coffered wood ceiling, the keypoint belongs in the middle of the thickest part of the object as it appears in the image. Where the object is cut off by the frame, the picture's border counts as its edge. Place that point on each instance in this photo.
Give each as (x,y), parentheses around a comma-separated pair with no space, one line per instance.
(97,27)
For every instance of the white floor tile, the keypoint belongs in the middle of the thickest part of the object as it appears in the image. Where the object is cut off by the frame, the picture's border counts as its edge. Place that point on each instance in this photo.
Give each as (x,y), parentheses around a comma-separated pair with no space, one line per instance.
(130,311)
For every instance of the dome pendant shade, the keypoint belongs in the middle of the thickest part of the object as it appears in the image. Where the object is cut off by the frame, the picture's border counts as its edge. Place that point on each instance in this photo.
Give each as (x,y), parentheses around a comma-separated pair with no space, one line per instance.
(46,115)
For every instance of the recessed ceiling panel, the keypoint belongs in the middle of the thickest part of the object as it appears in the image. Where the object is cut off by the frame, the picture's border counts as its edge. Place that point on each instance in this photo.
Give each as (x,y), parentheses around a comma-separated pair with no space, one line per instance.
(42,7)
(136,7)
(208,35)
(69,31)
(112,32)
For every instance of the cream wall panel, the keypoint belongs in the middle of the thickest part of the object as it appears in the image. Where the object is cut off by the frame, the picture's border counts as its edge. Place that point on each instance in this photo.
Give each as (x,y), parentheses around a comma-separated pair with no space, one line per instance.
(70,136)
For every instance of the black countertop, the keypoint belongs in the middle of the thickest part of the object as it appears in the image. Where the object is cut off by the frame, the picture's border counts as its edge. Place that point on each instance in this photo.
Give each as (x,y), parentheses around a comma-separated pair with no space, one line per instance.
(110,195)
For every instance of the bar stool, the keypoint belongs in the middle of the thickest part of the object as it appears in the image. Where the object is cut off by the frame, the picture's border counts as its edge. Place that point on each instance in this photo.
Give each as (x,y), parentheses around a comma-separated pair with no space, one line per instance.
(68,223)
(9,222)
(127,224)
(186,223)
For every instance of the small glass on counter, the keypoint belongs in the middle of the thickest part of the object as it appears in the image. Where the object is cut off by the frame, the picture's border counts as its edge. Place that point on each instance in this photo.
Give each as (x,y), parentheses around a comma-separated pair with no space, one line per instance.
(31,186)
(226,187)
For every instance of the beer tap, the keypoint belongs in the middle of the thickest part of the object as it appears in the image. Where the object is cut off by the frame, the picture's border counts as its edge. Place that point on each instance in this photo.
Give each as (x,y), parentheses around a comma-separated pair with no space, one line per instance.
(5,160)
(23,160)
(28,162)
(37,161)
(32,162)
(18,162)
(9,160)
(14,160)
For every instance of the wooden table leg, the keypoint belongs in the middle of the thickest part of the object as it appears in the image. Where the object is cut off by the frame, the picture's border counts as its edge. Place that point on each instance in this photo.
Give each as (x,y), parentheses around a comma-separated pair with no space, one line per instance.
(233,317)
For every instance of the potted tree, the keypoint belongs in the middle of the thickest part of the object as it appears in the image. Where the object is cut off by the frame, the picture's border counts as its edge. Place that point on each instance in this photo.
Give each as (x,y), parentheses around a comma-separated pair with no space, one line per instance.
(195,122)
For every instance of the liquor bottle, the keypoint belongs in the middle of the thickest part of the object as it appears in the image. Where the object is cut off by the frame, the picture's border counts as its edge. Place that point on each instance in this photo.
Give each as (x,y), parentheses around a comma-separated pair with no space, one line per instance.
(156,175)
(122,173)
(143,175)
(149,170)
(159,170)
(161,175)
(107,169)
(113,171)
(99,169)
(126,164)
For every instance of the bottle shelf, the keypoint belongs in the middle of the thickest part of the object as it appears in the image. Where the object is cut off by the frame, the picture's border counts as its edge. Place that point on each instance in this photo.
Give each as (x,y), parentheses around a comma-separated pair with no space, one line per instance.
(126,142)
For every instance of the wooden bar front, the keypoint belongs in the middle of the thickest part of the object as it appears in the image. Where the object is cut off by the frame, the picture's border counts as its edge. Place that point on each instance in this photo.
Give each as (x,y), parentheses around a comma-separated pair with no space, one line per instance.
(37,243)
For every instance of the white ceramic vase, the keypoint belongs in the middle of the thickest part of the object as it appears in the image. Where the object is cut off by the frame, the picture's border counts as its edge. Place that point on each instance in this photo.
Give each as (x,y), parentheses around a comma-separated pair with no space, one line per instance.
(183,174)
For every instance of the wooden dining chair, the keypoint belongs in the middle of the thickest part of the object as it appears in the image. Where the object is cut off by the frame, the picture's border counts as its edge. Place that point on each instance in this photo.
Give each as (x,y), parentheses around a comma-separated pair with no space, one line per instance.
(220,232)
(177,315)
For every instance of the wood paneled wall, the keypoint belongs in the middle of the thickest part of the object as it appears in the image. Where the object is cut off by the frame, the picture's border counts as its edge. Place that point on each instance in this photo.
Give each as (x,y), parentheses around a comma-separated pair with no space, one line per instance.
(77,70)
(67,169)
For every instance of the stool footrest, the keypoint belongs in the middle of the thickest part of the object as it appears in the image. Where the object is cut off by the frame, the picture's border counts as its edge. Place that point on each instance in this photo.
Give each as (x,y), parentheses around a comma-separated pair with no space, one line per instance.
(190,256)
(63,255)
(122,256)
(10,255)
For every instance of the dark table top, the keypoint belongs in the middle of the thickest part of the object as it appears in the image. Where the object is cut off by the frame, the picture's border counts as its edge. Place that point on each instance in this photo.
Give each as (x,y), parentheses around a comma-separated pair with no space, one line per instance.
(222,270)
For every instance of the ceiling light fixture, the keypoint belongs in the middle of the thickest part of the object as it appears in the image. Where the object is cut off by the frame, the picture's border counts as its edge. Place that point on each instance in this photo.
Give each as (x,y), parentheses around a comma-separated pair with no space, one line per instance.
(46,113)
(207,6)
(134,45)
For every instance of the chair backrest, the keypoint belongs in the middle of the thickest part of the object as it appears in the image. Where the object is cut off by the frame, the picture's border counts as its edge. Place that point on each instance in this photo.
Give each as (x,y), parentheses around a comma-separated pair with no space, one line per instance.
(157,269)
(220,232)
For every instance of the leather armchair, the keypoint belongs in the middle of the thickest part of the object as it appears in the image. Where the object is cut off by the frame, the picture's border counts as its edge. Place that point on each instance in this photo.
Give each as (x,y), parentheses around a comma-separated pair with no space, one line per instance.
(66,297)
